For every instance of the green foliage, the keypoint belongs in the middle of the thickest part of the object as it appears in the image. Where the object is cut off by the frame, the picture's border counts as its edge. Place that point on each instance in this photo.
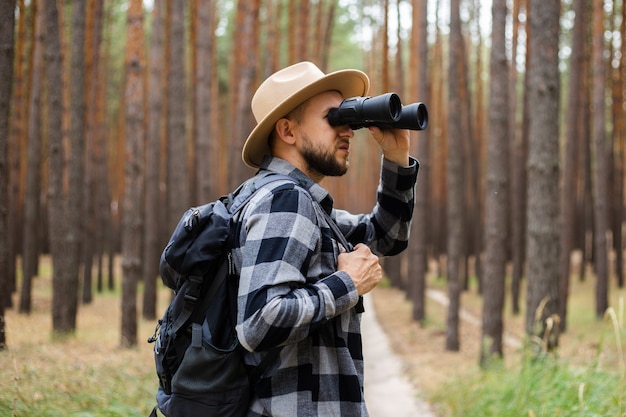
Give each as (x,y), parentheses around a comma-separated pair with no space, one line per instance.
(543,387)
(76,386)
(114,45)
(345,52)
(85,373)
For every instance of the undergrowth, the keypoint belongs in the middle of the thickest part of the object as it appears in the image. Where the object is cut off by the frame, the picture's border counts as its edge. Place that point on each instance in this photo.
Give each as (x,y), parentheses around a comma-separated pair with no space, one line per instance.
(89,375)
(50,381)
(544,385)
(86,374)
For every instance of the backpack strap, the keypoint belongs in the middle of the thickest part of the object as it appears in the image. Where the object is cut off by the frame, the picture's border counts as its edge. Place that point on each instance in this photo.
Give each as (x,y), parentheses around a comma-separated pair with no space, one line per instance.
(193,293)
(191,296)
(269,177)
(242,196)
(360,307)
(341,238)
(236,206)
(255,375)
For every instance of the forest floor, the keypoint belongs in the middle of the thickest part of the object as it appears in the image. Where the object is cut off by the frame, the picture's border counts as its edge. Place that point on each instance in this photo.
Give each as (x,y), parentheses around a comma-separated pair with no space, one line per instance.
(45,376)
(422,346)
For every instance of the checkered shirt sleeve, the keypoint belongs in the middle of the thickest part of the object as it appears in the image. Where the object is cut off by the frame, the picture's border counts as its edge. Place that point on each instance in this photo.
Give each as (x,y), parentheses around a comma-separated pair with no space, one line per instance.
(291,295)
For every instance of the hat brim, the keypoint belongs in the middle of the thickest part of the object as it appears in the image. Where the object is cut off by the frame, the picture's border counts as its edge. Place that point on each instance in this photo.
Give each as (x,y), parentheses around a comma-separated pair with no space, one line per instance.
(350,83)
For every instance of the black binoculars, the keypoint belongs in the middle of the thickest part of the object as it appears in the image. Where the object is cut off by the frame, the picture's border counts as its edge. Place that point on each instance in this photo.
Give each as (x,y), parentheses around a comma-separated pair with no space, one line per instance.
(385,111)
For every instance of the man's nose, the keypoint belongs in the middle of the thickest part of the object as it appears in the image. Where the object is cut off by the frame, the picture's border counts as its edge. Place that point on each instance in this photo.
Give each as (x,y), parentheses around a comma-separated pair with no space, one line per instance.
(345,131)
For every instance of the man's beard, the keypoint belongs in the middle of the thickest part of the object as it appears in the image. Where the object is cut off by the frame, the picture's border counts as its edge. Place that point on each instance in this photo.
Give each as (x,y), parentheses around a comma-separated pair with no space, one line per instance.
(322,161)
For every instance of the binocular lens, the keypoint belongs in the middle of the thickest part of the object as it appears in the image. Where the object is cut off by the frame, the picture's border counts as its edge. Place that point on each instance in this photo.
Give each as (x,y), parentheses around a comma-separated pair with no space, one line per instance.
(385,111)
(383,108)
(364,111)
(414,117)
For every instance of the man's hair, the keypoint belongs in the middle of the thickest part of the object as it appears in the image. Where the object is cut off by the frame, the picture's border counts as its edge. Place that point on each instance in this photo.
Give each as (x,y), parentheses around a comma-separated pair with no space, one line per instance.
(297,115)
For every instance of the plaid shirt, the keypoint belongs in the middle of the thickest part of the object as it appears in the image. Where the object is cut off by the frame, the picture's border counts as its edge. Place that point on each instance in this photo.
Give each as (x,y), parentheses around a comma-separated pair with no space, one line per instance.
(291,295)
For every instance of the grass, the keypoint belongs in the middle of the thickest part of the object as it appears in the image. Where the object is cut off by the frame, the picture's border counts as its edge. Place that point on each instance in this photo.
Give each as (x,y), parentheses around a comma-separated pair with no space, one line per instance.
(67,379)
(587,377)
(546,386)
(87,374)
(537,388)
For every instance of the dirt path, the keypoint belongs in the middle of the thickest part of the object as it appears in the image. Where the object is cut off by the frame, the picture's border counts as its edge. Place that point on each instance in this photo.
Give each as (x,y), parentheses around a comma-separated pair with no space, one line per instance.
(402,358)
(388,391)
(441,298)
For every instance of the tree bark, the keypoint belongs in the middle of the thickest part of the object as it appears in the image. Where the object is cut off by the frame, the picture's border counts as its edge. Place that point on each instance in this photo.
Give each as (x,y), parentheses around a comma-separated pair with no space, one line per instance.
(438,111)
(497,192)
(543,175)
(7,50)
(384,39)
(519,184)
(325,40)
(245,84)
(152,243)
(104,224)
(600,169)
(76,168)
(17,131)
(205,134)
(63,313)
(418,246)
(177,175)
(135,135)
(455,200)
(569,184)
(619,134)
(292,31)
(32,197)
(303,25)
(92,184)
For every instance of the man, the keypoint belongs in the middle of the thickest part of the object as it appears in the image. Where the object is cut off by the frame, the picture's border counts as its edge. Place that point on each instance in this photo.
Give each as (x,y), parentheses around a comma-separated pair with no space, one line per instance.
(299,289)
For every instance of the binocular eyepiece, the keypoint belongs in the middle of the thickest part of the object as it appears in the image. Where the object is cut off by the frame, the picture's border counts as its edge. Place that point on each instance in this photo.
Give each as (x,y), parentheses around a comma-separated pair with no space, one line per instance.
(384,111)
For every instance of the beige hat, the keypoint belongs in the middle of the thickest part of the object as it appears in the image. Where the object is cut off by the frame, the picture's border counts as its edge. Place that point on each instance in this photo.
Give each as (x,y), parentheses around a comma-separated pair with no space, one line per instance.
(285,90)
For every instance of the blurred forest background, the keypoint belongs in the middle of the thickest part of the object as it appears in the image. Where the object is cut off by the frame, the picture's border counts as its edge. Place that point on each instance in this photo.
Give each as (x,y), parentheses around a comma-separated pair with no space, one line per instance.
(117,115)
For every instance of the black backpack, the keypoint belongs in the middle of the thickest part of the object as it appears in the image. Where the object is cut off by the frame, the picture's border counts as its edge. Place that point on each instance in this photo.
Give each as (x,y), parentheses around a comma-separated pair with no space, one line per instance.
(197,354)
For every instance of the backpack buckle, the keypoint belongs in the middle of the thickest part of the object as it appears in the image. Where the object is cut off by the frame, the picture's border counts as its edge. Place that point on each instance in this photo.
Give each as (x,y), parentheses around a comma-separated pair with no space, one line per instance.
(193,292)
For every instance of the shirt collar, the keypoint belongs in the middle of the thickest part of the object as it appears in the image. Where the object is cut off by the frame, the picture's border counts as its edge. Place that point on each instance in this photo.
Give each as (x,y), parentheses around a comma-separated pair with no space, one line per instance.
(280,166)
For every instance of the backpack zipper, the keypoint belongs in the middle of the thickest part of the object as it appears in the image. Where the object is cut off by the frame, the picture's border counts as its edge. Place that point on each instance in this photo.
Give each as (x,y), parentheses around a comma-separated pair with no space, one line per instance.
(231,264)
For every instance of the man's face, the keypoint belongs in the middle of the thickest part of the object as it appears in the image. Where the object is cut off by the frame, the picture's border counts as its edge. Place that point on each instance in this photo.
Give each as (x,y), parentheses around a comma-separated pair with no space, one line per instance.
(325,149)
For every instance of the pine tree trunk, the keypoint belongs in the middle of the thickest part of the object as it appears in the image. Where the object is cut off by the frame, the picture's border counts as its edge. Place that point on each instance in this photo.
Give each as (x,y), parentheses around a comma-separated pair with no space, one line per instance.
(543,174)
(152,210)
(420,142)
(17,129)
(76,166)
(177,175)
(135,135)
(520,191)
(497,192)
(63,321)
(32,197)
(568,192)
(205,134)
(245,84)
(7,25)
(92,185)
(620,151)
(600,164)
(455,183)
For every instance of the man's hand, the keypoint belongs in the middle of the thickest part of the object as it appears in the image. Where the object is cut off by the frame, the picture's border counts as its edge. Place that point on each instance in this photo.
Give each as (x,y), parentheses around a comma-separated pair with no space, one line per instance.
(394,144)
(362,266)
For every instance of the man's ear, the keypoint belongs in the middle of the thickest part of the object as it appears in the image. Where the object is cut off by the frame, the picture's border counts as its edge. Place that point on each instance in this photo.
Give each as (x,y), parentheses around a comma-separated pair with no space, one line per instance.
(284,131)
